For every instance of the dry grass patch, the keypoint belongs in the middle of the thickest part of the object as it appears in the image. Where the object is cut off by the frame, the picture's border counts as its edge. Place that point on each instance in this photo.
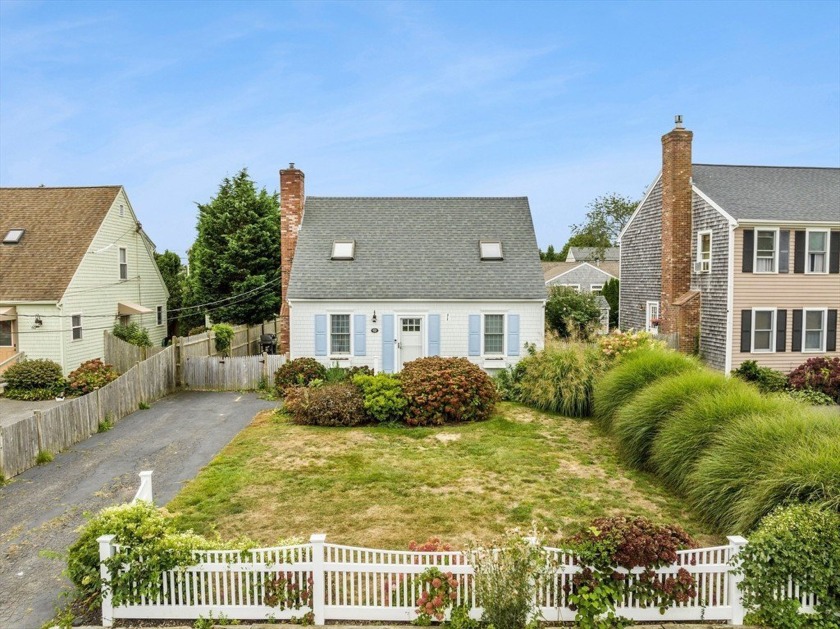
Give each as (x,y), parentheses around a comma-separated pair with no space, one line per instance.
(386,486)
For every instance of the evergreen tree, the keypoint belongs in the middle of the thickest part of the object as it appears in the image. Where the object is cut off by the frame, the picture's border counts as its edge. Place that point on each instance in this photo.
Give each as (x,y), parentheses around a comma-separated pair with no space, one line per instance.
(610,293)
(237,251)
(170,267)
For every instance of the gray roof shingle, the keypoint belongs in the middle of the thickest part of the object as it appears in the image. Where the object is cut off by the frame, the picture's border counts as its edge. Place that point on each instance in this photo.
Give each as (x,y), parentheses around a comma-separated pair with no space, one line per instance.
(772,192)
(416,248)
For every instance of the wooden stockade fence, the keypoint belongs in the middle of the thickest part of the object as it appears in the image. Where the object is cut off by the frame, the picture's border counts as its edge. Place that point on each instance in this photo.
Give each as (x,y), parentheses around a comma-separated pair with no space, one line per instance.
(212,373)
(245,341)
(122,355)
(58,428)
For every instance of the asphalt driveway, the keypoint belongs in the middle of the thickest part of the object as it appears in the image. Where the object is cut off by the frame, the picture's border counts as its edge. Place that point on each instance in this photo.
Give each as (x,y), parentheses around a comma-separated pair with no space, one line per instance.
(42,508)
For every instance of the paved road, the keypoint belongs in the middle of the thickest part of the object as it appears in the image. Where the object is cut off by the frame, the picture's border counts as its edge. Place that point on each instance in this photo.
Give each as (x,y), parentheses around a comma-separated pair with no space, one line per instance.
(42,508)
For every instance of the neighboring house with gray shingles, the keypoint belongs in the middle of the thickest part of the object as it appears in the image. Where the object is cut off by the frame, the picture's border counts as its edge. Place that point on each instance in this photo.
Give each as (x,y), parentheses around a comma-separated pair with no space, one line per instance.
(584,277)
(73,262)
(382,281)
(741,262)
(592,254)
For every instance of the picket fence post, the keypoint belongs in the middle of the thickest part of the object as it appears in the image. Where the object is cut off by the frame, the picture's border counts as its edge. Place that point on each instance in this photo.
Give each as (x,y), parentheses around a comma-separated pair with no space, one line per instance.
(736,600)
(106,551)
(318,580)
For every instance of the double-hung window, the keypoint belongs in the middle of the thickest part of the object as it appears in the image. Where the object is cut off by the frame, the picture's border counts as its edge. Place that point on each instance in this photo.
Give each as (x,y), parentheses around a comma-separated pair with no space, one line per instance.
(76,326)
(123,263)
(160,315)
(765,250)
(340,334)
(764,325)
(814,332)
(817,252)
(5,333)
(704,251)
(494,334)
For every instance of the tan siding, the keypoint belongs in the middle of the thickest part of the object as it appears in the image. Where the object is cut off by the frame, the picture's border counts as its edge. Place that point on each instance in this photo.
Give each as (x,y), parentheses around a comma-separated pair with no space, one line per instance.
(783,290)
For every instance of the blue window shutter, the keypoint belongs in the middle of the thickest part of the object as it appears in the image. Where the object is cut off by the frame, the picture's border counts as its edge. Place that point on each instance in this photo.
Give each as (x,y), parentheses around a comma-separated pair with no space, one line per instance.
(359,335)
(475,335)
(388,343)
(513,335)
(320,335)
(434,335)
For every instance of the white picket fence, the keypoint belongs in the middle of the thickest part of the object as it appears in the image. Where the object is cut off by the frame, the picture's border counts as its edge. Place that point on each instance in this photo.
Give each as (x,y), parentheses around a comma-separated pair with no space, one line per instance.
(364,584)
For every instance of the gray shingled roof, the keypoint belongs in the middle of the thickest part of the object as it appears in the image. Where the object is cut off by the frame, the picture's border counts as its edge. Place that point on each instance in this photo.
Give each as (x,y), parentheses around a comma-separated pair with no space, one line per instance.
(416,248)
(586,254)
(772,192)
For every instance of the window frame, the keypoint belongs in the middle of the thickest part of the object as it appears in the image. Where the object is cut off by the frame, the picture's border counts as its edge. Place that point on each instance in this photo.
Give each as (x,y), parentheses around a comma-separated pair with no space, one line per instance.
(593,290)
(705,264)
(753,330)
(775,232)
(122,266)
(825,252)
(487,256)
(159,315)
(649,315)
(823,332)
(503,333)
(335,255)
(11,323)
(14,236)
(74,327)
(349,351)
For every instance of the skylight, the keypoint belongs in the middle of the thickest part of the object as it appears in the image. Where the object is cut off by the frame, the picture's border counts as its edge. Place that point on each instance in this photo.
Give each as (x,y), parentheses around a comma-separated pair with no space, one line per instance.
(343,250)
(491,250)
(13,237)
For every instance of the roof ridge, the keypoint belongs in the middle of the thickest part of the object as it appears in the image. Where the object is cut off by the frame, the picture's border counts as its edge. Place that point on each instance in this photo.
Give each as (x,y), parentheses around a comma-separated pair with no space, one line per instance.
(412,198)
(767,166)
(59,187)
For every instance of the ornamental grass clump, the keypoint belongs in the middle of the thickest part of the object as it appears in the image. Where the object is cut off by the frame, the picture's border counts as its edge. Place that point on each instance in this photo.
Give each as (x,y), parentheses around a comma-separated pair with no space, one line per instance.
(637,424)
(560,379)
(736,481)
(691,429)
(638,370)
(799,543)
(446,390)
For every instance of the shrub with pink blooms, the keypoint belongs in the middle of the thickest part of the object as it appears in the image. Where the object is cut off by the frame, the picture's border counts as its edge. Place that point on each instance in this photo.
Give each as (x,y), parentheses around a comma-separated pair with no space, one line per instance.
(617,344)
(439,591)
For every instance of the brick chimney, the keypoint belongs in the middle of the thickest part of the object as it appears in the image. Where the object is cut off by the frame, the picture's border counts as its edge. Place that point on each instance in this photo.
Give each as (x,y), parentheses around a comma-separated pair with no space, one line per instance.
(676,224)
(291,215)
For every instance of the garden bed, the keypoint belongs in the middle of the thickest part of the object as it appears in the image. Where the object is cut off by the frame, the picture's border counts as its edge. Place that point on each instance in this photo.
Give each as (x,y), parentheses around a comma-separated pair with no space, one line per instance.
(385,486)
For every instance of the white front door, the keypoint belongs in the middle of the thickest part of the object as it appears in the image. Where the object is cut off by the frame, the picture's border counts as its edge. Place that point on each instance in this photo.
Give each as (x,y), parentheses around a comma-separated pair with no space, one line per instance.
(410,344)
(652,315)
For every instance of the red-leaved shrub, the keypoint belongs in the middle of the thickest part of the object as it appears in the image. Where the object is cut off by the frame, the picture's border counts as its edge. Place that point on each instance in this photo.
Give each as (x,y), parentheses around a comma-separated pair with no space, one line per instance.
(820,374)
(443,390)
(90,376)
(329,405)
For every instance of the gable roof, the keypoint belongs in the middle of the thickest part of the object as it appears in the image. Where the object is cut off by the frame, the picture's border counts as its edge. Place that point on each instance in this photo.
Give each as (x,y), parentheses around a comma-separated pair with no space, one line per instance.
(416,248)
(772,192)
(553,270)
(60,224)
(582,254)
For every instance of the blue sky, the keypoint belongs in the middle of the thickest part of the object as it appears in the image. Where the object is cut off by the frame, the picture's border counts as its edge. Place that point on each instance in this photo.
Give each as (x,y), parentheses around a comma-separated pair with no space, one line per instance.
(560,102)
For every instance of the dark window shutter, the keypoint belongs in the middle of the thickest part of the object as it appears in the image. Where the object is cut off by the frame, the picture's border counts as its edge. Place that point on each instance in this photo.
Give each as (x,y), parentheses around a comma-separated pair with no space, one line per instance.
(747,263)
(799,252)
(796,341)
(834,253)
(781,329)
(746,330)
(784,251)
(831,332)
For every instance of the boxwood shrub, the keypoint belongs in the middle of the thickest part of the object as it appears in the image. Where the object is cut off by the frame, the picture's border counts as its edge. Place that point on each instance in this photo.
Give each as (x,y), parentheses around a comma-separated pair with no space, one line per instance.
(443,390)
(635,372)
(39,379)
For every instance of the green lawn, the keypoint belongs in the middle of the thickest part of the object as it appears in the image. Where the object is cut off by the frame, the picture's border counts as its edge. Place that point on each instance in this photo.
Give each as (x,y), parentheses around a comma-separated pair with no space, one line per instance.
(384,487)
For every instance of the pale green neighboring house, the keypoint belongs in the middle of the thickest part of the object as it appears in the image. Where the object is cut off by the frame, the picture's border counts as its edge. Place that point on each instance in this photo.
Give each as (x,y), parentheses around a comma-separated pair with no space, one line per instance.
(73,262)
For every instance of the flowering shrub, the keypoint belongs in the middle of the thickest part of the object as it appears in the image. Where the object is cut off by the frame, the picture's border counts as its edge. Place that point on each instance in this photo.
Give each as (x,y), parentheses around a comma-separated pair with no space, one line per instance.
(39,379)
(617,344)
(298,372)
(572,315)
(818,374)
(438,593)
(627,543)
(383,394)
(442,390)
(283,592)
(90,376)
(802,543)
(327,405)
